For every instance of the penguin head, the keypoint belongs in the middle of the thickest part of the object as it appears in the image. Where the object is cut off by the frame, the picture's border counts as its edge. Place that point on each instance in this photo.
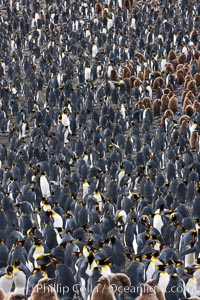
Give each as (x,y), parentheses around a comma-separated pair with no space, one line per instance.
(21,243)
(113,238)
(147,256)
(174,275)
(38,242)
(189,270)
(104,280)
(161,267)
(9,270)
(138,257)
(145,220)
(178,264)
(49,213)
(129,255)
(121,215)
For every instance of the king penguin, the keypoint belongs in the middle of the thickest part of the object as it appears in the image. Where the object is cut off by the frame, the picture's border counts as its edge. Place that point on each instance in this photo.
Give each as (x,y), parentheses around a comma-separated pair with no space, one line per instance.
(44,185)
(6,281)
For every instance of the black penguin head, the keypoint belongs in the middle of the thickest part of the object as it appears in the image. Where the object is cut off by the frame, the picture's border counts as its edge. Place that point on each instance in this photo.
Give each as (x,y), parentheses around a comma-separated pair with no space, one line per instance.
(138,257)
(189,270)
(21,242)
(178,264)
(9,270)
(38,242)
(174,275)
(113,238)
(145,220)
(49,213)
(161,267)
(17,262)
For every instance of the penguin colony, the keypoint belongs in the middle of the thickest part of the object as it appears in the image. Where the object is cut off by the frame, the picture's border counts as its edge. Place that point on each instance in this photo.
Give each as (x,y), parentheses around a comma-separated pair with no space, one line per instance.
(99,149)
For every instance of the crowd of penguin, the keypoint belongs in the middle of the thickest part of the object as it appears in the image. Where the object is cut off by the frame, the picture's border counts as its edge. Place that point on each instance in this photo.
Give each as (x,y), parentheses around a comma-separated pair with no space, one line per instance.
(99,149)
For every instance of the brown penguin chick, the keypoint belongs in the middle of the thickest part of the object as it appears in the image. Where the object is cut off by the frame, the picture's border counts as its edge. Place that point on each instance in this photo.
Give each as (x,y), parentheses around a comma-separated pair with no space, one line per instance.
(57,30)
(105,12)
(162,121)
(187,68)
(186,102)
(184,118)
(140,56)
(197,79)
(187,79)
(164,102)
(157,107)
(2,295)
(44,290)
(147,72)
(191,86)
(180,67)
(196,106)
(158,82)
(42,17)
(169,114)
(113,75)
(190,96)
(166,91)
(131,81)
(194,33)
(146,292)
(180,77)
(137,82)
(169,69)
(193,298)
(141,75)
(127,4)
(126,73)
(98,7)
(196,54)
(189,110)
(103,290)
(156,74)
(175,63)
(184,124)
(118,9)
(130,65)
(183,96)
(171,55)
(194,140)
(105,5)
(15,296)
(105,76)
(173,104)
(181,58)
(137,8)
(159,292)
(170,94)
(154,3)
(120,281)
(146,102)
(170,87)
